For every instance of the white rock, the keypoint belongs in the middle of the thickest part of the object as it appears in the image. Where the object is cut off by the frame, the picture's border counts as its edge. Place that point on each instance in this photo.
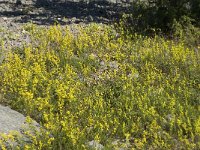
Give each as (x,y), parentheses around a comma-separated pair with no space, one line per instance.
(4,18)
(96,145)
(59,19)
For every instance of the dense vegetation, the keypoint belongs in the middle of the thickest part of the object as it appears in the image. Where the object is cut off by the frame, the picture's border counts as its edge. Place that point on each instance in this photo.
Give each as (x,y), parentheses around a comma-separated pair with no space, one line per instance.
(174,19)
(134,85)
(96,84)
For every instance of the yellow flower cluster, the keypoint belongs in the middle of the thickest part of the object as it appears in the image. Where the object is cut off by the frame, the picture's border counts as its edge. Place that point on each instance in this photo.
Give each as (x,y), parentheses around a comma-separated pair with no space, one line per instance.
(92,83)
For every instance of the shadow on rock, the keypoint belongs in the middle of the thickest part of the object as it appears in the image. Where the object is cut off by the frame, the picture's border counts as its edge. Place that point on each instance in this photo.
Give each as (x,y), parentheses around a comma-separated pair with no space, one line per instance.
(46,12)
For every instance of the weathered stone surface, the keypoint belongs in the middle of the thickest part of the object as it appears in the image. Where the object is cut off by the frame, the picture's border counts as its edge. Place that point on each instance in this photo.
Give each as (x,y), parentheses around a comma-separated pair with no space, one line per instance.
(11,120)
(94,144)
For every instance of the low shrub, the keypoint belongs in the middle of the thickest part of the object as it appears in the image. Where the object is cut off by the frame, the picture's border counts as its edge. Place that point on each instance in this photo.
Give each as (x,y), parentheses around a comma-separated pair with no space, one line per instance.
(171,19)
(90,83)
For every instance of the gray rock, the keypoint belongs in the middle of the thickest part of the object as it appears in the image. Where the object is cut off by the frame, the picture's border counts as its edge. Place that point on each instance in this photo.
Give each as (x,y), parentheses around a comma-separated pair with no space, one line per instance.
(11,120)
(96,145)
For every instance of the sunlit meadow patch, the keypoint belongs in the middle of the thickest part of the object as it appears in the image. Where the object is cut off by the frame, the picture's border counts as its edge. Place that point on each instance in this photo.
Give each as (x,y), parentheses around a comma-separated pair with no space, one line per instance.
(89,83)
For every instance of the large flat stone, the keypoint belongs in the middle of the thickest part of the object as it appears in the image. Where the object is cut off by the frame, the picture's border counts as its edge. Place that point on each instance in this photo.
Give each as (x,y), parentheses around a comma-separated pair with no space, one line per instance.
(10,120)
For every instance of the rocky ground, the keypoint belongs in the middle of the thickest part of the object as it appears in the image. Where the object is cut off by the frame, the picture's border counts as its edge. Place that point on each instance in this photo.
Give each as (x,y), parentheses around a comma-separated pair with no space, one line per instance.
(13,16)
(45,13)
